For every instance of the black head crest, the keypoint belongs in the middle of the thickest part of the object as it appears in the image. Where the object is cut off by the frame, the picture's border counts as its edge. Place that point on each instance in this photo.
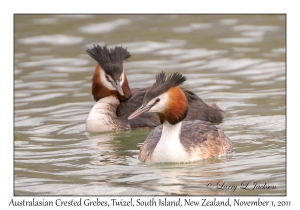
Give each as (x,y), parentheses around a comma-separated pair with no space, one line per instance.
(110,60)
(163,84)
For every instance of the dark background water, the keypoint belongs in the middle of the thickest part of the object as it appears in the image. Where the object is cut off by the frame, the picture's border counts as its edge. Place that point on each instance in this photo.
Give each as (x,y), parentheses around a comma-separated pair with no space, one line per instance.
(236,61)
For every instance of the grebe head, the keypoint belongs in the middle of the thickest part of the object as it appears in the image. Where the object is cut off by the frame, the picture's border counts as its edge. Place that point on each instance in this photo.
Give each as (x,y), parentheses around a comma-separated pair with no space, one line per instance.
(109,72)
(165,98)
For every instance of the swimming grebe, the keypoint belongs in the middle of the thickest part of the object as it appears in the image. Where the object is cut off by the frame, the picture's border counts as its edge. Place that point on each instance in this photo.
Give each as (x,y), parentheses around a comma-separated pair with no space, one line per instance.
(177,141)
(115,100)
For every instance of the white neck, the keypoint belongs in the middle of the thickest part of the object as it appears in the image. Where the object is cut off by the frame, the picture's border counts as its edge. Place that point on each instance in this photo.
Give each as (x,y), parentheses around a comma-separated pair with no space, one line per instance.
(111,100)
(101,117)
(169,147)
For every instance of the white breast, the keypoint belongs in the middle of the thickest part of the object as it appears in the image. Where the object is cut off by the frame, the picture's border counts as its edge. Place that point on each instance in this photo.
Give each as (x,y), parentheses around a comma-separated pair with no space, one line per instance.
(101,117)
(169,147)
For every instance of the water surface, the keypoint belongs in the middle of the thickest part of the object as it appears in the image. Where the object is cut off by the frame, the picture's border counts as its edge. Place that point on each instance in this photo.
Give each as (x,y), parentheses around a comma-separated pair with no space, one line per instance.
(236,61)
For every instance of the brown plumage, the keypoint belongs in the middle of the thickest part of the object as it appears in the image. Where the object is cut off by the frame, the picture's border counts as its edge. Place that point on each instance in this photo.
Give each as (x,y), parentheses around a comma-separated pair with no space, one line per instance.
(199,138)
(100,91)
(110,62)
(176,109)
(177,141)
(198,110)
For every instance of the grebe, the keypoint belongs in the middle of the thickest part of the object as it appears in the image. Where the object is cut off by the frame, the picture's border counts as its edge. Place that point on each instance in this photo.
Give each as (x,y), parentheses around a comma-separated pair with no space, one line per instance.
(115,100)
(177,141)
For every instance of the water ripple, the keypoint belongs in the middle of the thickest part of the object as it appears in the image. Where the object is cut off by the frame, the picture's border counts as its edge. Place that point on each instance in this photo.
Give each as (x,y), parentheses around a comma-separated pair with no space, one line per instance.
(238,40)
(149,46)
(56,39)
(192,27)
(255,28)
(56,61)
(104,27)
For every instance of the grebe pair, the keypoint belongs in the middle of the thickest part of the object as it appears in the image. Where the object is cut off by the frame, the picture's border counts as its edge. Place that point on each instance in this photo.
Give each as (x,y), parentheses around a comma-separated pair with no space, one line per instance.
(115,101)
(174,141)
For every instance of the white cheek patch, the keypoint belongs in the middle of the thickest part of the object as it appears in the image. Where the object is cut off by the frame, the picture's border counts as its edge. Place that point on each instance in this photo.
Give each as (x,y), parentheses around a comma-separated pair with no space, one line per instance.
(107,83)
(109,77)
(104,81)
(161,105)
(123,77)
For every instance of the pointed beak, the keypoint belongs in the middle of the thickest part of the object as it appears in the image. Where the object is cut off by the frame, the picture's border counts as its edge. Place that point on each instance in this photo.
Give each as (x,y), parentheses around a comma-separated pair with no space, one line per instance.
(139,111)
(118,87)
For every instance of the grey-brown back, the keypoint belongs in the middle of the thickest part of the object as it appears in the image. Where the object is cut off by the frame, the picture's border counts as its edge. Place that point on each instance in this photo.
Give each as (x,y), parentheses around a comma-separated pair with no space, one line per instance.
(198,110)
(195,136)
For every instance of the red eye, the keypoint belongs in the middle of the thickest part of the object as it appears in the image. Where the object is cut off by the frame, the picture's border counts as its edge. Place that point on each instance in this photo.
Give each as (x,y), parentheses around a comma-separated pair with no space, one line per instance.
(157,100)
